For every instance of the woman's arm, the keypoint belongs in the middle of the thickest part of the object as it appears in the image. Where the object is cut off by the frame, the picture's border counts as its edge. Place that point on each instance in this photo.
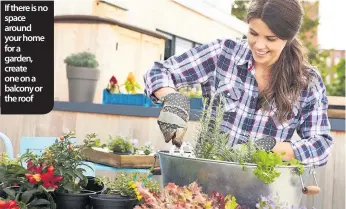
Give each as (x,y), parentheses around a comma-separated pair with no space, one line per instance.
(314,128)
(196,65)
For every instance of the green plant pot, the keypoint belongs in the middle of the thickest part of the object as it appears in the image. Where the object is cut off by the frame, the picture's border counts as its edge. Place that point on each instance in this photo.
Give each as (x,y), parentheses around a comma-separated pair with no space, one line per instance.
(82,83)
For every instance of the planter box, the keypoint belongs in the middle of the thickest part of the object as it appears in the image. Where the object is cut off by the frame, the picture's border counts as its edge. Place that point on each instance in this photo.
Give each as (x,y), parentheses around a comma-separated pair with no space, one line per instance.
(121,161)
(196,103)
(126,99)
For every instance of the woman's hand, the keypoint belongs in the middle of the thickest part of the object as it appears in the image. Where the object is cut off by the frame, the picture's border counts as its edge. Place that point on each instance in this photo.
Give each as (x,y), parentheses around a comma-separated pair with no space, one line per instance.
(285,147)
(174,117)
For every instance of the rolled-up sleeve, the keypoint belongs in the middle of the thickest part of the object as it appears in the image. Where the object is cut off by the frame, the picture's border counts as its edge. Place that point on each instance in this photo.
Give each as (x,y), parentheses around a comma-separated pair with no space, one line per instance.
(314,129)
(196,65)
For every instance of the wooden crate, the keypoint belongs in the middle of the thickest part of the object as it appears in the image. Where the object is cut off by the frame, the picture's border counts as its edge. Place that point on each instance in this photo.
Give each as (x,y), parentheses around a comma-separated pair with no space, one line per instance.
(121,161)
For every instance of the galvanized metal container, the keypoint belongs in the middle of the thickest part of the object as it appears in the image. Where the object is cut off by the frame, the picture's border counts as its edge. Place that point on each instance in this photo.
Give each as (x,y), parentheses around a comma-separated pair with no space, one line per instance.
(231,178)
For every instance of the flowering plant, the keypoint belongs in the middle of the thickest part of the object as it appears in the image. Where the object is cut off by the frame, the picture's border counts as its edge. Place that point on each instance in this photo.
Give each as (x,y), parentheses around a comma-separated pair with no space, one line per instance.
(146,149)
(26,187)
(68,161)
(113,86)
(130,84)
(59,166)
(126,184)
(11,204)
(273,202)
(176,197)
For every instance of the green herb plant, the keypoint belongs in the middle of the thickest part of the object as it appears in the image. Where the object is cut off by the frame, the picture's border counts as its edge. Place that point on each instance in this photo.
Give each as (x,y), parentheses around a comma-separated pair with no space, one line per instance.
(120,144)
(82,59)
(212,143)
(91,141)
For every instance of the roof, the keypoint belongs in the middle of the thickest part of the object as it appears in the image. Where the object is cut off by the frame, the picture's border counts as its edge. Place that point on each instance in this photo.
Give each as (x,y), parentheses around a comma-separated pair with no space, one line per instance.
(101,20)
(215,14)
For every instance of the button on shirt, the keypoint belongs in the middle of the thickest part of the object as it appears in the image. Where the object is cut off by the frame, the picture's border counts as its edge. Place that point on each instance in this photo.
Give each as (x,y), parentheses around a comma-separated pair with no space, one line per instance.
(224,66)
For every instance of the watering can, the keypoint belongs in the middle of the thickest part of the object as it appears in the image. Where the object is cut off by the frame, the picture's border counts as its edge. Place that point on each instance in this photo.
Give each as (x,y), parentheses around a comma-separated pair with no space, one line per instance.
(181,167)
(8,145)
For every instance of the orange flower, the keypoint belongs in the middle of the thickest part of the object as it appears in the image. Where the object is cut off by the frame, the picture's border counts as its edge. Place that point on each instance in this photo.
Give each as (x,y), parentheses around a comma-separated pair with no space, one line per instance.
(33,179)
(131,77)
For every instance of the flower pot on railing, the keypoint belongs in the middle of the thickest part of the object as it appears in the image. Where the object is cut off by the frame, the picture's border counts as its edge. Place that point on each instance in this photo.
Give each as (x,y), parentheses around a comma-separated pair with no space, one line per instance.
(196,103)
(82,75)
(126,99)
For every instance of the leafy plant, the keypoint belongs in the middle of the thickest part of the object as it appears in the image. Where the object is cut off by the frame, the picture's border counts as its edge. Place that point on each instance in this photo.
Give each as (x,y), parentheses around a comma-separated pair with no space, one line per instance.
(27,187)
(190,196)
(274,202)
(147,148)
(5,160)
(91,141)
(212,143)
(120,144)
(82,59)
(67,160)
(111,187)
(124,184)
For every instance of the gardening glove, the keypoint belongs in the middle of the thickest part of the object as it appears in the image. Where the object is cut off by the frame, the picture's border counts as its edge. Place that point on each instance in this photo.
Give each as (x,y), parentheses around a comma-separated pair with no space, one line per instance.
(174,117)
(266,143)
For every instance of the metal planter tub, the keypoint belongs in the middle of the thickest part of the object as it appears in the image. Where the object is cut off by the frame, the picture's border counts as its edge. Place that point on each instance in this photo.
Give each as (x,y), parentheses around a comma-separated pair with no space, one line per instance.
(231,178)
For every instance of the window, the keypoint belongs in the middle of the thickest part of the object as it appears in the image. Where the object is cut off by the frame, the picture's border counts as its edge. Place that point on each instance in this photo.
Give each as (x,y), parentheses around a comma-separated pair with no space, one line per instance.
(176,45)
(182,45)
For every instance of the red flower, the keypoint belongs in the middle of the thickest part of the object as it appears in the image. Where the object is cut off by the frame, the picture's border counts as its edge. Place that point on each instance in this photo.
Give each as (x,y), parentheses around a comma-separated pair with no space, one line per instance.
(32,168)
(50,169)
(12,204)
(113,80)
(49,180)
(33,179)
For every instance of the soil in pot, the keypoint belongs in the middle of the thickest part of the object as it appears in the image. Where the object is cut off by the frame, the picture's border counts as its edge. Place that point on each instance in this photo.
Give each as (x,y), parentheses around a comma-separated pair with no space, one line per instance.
(93,186)
(104,201)
(73,201)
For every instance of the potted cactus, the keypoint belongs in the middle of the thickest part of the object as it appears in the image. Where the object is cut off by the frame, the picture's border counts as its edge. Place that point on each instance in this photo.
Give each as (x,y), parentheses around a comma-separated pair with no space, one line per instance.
(82,74)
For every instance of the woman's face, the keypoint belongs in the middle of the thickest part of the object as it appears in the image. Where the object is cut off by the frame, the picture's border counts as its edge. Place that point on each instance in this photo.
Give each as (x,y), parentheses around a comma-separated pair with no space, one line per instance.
(265,46)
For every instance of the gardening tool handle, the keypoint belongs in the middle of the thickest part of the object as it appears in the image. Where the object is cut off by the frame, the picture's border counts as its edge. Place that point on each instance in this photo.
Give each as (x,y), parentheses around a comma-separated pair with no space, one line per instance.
(311,190)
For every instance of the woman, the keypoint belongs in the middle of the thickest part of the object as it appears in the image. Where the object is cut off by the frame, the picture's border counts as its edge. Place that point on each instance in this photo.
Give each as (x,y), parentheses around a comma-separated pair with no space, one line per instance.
(270,89)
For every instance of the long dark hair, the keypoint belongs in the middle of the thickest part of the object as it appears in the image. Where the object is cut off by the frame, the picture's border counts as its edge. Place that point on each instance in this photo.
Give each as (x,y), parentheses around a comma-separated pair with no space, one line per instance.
(289,74)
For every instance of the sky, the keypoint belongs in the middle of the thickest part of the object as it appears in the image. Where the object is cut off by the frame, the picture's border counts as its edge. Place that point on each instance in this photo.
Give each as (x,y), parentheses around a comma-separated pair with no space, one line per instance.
(332,28)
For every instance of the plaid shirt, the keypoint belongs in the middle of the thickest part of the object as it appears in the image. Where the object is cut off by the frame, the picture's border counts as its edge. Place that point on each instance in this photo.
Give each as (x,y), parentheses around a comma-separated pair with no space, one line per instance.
(225,66)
